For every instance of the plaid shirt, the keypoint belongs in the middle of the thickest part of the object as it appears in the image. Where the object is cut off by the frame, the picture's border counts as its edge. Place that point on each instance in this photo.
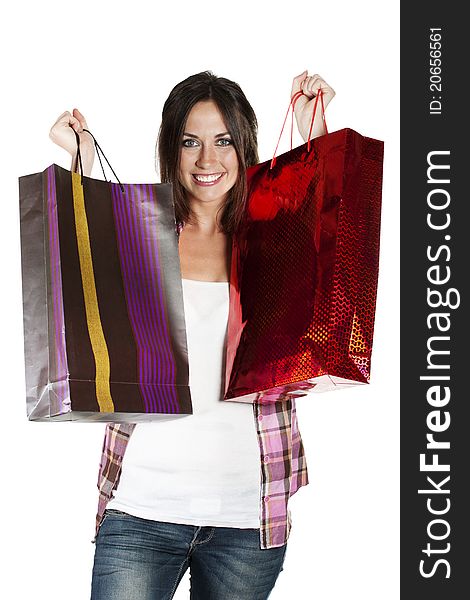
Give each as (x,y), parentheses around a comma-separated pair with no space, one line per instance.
(282,462)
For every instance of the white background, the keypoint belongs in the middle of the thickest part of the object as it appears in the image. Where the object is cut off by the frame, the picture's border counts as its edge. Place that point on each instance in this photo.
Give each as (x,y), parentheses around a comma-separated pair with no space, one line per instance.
(116,62)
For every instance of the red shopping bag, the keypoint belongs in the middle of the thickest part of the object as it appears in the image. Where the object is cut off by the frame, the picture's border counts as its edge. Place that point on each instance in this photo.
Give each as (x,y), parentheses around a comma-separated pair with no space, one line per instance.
(304,270)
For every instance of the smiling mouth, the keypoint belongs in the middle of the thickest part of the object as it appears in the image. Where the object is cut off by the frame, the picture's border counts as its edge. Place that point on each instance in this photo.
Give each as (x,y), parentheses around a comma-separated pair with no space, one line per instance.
(207,179)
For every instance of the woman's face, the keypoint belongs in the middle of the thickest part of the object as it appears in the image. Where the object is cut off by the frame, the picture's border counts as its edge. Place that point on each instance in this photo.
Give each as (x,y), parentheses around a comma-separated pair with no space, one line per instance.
(208,160)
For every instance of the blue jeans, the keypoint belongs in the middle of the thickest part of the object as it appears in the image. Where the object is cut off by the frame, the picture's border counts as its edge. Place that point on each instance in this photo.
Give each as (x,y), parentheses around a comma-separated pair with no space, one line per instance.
(142,559)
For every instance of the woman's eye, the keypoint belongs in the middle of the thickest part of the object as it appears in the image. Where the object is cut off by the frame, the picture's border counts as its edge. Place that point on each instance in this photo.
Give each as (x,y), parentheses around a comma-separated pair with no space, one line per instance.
(192,143)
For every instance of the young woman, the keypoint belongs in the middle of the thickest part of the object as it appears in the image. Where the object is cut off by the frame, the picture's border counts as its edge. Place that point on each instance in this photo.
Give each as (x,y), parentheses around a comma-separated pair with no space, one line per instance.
(208,491)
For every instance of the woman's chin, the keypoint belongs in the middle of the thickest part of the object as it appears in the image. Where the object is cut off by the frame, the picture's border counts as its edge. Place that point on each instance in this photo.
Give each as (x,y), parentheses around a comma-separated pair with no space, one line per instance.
(208,195)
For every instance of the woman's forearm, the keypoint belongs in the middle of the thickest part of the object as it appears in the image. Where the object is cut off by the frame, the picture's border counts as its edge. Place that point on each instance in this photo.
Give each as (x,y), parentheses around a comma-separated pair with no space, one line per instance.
(87,163)
(318,129)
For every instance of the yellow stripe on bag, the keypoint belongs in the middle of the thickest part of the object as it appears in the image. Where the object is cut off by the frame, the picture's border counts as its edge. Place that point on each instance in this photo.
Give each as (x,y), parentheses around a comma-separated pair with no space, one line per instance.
(95,329)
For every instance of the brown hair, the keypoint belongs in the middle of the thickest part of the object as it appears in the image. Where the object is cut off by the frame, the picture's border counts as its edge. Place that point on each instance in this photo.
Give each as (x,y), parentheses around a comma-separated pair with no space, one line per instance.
(241,123)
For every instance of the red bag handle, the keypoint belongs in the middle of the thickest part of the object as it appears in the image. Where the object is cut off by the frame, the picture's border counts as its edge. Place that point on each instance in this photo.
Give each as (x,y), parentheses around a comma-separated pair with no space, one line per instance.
(293,100)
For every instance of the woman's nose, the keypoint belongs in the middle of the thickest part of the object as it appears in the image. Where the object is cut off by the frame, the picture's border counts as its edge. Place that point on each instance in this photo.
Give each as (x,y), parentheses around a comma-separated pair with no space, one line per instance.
(206,158)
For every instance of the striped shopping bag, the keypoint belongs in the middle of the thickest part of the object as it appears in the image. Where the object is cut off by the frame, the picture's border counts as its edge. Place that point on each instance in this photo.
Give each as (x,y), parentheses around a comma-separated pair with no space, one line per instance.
(104,330)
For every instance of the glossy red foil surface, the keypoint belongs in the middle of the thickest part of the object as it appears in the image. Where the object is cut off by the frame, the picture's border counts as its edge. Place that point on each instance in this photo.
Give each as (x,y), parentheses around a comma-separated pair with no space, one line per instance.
(305,267)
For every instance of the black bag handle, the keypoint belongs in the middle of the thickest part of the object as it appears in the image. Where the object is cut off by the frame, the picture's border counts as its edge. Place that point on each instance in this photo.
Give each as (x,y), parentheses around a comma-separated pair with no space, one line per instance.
(98,150)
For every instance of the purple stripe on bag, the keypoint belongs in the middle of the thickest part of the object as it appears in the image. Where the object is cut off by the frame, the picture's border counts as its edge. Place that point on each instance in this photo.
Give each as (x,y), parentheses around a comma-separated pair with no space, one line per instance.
(150,351)
(61,366)
(138,254)
(130,279)
(151,362)
(158,284)
(167,365)
(164,371)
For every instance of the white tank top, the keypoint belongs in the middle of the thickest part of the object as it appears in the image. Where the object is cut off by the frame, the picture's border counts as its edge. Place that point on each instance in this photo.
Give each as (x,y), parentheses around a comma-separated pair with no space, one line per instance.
(204,468)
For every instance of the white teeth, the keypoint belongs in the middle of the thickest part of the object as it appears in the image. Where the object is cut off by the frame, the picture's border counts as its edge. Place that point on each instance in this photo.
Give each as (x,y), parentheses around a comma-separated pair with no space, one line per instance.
(208,178)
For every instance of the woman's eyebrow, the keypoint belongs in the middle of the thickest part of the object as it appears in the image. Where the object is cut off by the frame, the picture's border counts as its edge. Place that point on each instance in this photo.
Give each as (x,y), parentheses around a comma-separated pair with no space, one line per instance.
(193,135)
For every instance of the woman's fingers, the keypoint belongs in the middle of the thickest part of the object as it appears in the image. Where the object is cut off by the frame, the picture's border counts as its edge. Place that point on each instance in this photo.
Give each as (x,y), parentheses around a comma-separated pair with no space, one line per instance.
(63,118)
(75,124)
(297,82)
(311,84)
(63,132)
(66,119)
(80,118)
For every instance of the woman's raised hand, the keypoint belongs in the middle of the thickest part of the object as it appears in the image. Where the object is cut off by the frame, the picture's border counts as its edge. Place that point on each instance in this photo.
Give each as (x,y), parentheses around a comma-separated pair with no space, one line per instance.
(303,109)
(61,134)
